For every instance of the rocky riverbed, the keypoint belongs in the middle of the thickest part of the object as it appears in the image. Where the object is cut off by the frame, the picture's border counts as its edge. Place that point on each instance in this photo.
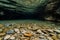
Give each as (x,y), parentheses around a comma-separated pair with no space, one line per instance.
(29,31)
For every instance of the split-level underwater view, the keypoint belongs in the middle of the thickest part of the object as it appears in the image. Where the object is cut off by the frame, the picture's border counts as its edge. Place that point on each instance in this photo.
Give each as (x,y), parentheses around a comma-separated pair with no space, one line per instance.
(29,19)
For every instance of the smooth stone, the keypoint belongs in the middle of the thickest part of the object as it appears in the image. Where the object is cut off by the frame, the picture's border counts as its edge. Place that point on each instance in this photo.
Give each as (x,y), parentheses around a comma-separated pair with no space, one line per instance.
(2,34)
(42,37)
(23,31)
(6,37)
(49,38)
(50,30)
(57,31)
(16,30)
(35,28)
(28,34)
(39,31)
(35,39)
(10,32)
(12,38)
(1,30)
(9,24)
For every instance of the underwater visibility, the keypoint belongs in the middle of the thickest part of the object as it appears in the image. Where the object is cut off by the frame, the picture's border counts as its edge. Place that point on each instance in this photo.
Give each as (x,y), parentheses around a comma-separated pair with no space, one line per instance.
(29,19)
(22,8)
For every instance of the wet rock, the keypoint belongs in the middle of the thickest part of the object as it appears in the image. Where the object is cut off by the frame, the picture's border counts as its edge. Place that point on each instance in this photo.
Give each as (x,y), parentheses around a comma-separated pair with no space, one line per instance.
(10,32)
(9,24)
(6,29)
(58,11)
(1,30)
(57,31)
(12,38)
(23,31)
(39,31)
(58,36)
(53,36)
(28,34)
(49,30)
(2,34)
(35,27)
(6,37)
(49,38)
(44,31)
(43,38)
(26,39)
(16,30)
(35,39)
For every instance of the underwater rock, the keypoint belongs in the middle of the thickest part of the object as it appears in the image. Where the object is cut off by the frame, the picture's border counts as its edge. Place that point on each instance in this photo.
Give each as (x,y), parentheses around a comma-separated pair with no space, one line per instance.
(22,5)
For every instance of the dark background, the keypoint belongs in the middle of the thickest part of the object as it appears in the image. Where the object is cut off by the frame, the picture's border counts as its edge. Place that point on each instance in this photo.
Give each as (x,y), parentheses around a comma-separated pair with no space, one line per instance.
(39,14)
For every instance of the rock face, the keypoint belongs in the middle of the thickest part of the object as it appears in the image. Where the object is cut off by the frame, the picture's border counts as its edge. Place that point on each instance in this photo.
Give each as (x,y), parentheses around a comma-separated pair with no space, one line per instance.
(37,9)
(22,5)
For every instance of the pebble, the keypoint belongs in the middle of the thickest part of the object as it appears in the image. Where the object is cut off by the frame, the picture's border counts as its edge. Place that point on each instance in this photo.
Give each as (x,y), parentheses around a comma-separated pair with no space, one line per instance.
(36,39)
(31,33)
(50,30)
(35,28)
(27,34)
(10,32)
(49,38)
(2,34)
(53,36)
(1,25)
(12,38)
(7,25)
(39,31)
(6,37)
(1,30)
(16,30)
(23,31)
(57,31)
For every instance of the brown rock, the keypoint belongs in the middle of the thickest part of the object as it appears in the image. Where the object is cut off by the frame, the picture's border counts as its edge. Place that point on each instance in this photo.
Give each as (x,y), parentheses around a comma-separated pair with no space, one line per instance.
(6,29)
(28,34)
(54,37)
(1,25)
(36,39)
(0,38)
(2,34)
(58,36)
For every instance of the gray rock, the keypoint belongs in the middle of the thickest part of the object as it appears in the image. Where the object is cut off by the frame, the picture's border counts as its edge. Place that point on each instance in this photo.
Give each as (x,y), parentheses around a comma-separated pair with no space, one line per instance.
(10,32)
(9,24)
